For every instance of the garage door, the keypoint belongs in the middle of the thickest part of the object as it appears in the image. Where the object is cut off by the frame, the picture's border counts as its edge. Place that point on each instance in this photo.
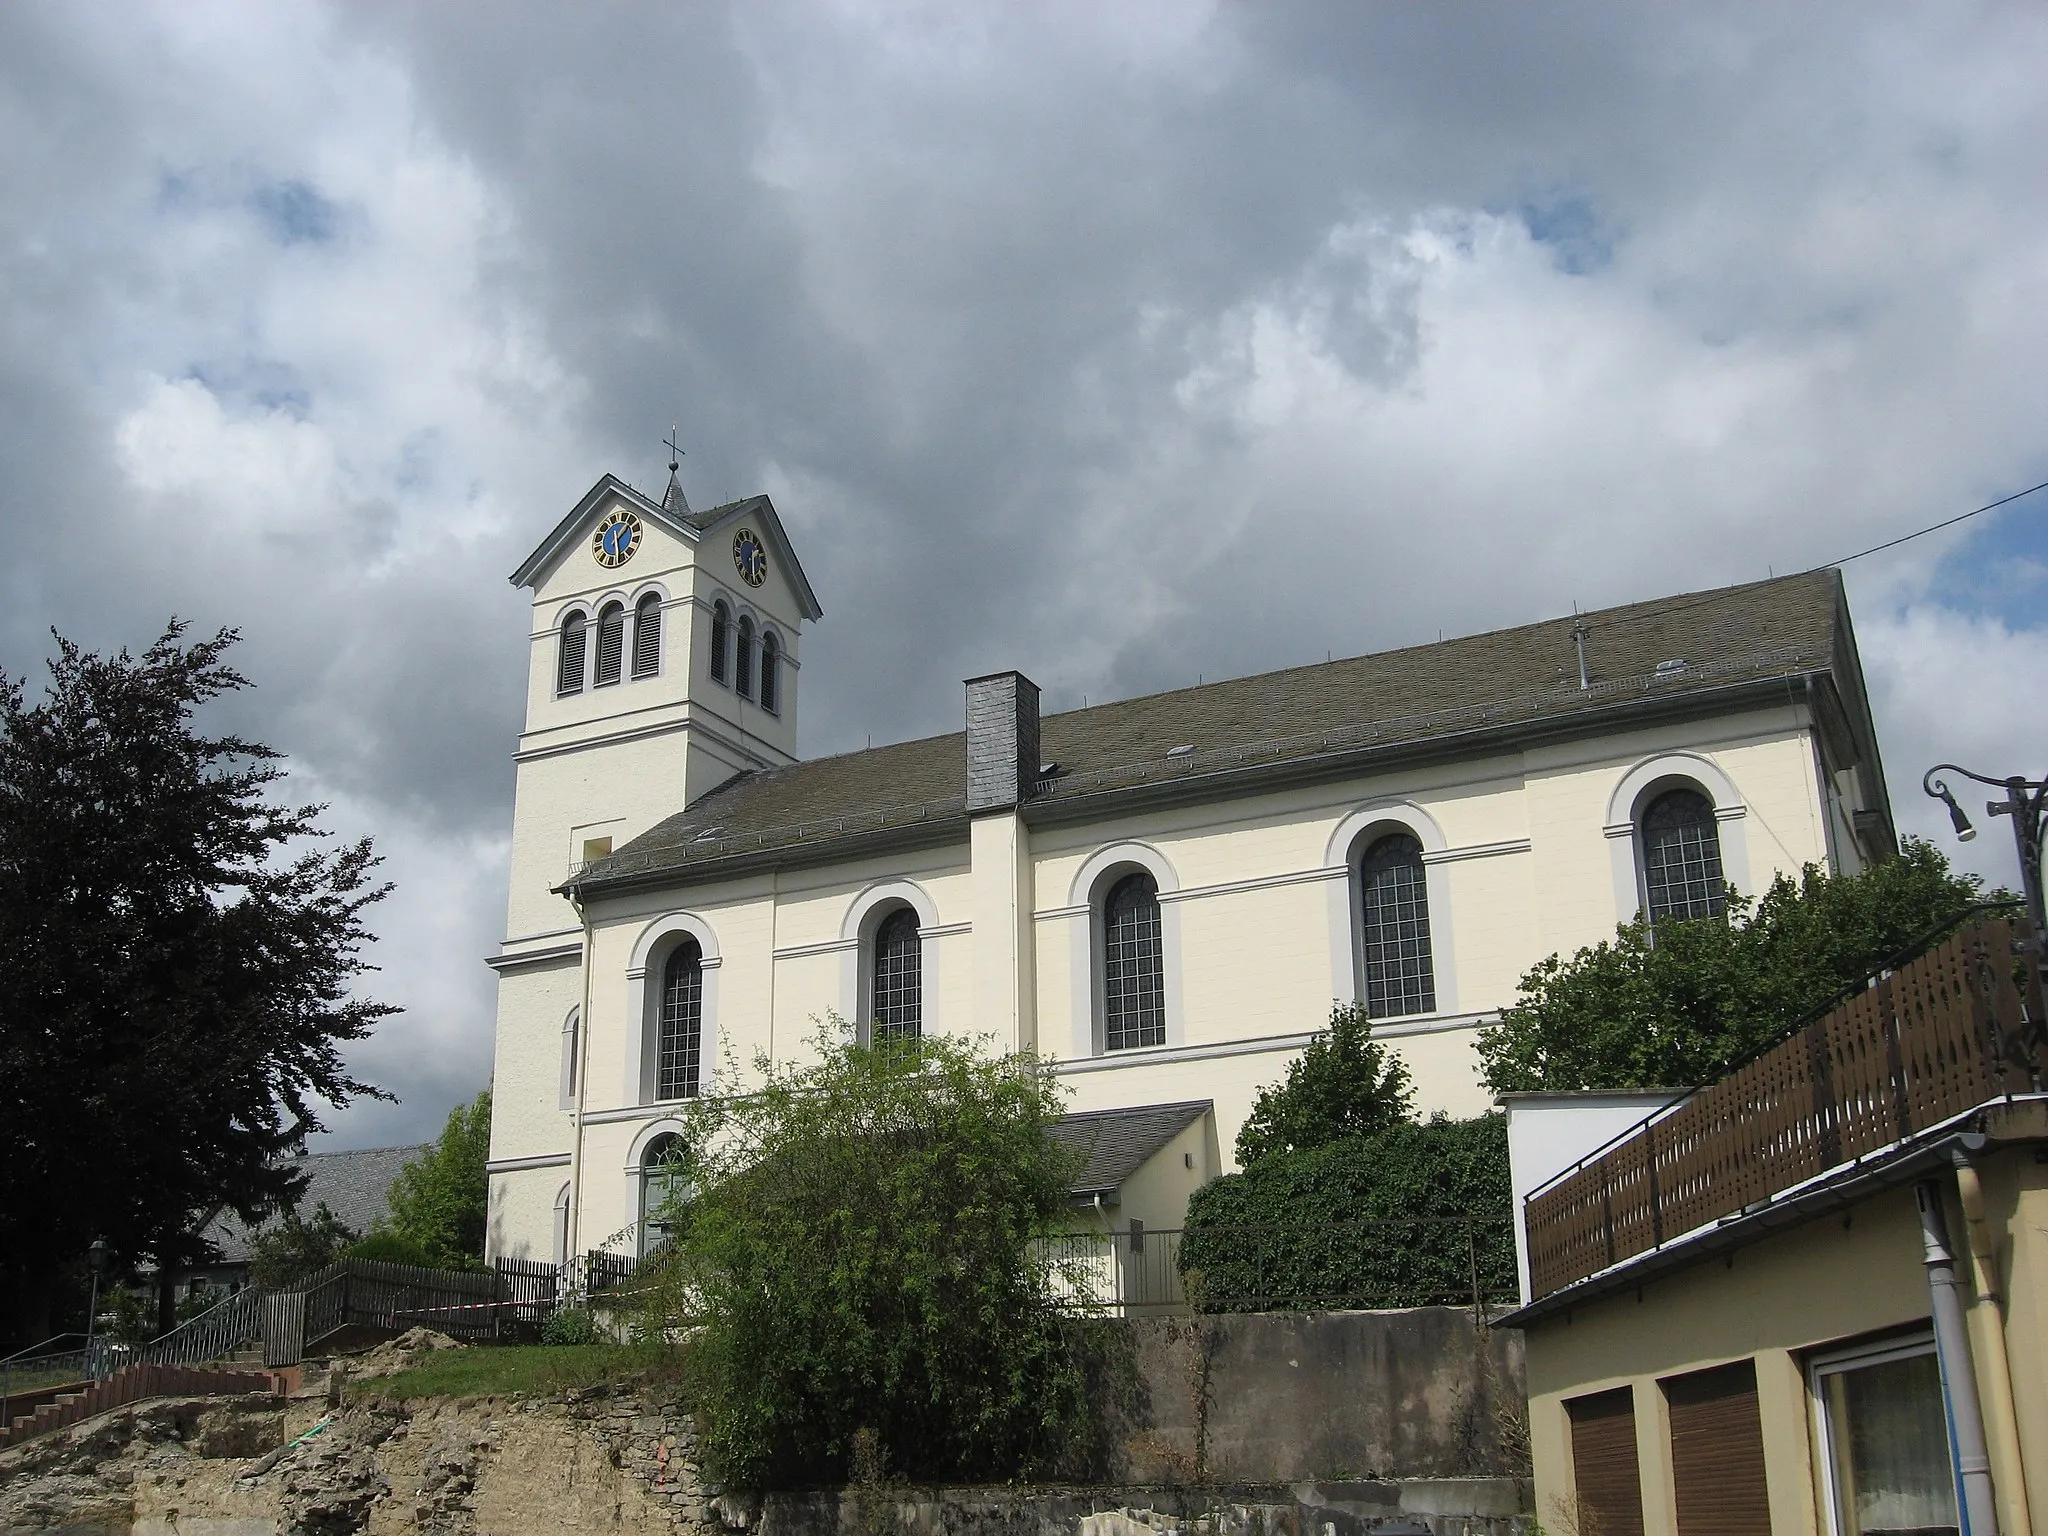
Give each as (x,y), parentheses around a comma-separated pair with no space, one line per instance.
(1605,1475)
(1717,1452)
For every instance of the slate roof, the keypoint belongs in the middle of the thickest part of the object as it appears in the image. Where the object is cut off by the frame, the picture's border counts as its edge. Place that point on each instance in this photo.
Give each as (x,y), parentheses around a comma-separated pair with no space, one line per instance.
(1118,1142)
(353,1185)
(1476,692)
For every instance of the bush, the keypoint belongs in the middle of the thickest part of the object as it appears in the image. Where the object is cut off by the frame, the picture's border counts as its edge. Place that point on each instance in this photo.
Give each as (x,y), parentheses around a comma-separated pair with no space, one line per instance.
(1291,1231)
(570,1325)
(1344,1084)
(856,1240)
(294,1248)
(389,1247)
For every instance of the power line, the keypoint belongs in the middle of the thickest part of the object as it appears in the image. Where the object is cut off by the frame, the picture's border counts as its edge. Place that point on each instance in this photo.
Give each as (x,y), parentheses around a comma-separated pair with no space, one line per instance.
(1664,611)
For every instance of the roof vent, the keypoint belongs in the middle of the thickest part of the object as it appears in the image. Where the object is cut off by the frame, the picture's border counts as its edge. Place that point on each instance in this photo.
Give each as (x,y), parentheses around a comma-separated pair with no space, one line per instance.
(1048,770)
(708,834)
(1180,752)
(1671,668)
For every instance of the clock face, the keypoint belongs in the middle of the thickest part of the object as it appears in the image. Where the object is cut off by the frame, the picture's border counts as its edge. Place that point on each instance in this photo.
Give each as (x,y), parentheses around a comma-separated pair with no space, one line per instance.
(616,539)
(750,556)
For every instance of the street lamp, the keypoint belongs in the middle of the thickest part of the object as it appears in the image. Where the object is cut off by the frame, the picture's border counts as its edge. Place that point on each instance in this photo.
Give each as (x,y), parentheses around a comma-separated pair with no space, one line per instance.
(96,1256)
(2023,802)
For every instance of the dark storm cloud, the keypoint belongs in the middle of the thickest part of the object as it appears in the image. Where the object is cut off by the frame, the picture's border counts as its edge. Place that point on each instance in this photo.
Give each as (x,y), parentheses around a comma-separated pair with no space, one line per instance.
(1121,344)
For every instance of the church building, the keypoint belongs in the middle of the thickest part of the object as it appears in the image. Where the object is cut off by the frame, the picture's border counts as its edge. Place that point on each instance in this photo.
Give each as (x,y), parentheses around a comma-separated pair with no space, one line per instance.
(1161,896)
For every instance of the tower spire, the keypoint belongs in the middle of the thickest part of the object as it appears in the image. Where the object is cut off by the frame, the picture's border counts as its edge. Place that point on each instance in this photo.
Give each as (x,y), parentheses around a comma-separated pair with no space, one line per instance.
(673,499)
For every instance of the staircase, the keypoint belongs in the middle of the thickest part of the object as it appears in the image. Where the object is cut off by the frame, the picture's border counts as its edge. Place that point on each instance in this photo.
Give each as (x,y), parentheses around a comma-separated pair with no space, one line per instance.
(131,1384)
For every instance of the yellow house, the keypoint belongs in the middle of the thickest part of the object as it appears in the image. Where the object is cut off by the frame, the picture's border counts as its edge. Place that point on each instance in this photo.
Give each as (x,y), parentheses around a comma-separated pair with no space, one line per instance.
(1162,895)
(1811,1300)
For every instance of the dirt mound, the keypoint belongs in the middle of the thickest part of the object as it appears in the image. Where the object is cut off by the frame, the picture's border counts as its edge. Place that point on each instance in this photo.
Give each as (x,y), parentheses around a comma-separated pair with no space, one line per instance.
(400,1354)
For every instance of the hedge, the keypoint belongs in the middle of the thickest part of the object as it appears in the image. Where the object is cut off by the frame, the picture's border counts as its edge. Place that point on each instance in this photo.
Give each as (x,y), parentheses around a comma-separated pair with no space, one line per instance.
(1398,1219)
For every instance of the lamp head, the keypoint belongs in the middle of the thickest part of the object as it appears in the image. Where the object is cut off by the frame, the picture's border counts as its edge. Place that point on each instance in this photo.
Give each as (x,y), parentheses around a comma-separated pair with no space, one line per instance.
(97,1255)
(1964,831)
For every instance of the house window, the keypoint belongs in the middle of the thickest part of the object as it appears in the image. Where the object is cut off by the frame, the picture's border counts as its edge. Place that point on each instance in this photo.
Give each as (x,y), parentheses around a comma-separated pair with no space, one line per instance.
(1885,1440)
(679,1035)
(569,654)
(771,679)
(572,1032)
(897,1003)
(721,632)
(1133,971)
(743,661)
(611,643)
(1393,909)
(661,1180)
(1681,853)
(647,636)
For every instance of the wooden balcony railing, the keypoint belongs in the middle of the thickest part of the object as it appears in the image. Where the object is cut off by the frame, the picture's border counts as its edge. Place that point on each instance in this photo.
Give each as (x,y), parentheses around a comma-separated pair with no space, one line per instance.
(1955,1027)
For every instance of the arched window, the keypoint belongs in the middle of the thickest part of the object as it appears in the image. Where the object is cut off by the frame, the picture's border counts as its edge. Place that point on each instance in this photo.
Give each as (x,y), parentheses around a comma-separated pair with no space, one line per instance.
(1681,852)
(771,681)
(572,1035)
(896,1008)
(562,1225)
(569,653)
(1393,913)
(611,643)
(647,635)
(743,661)
(1133,969)
(721,638)
(679,1034)
(661,1180)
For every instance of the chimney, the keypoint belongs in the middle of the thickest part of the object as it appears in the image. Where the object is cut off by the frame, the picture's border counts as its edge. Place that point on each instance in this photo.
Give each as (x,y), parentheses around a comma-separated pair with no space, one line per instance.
(1002,741)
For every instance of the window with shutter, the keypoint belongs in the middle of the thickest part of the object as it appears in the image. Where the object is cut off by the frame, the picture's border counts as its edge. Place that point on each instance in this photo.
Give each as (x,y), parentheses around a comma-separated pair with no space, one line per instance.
(1606,1476)
(611,643)
(647,636)
(743,661)
(1717,1452)
(771,681)
(569,655)
(721,640)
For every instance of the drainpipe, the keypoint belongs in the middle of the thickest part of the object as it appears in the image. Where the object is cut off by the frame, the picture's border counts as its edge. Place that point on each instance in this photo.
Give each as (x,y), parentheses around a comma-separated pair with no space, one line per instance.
(1986,1314)
(1958,1372)
(574,1235)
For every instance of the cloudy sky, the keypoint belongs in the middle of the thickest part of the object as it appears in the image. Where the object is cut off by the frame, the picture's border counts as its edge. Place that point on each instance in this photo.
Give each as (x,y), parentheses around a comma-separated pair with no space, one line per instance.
(1115,343)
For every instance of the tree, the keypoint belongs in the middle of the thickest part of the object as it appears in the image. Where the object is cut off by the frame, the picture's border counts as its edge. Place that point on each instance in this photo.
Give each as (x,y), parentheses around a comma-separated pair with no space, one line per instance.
(175,966)
(439,1201)
(1343,1084)
(1404,1217)
(1677,1005)
(293,1249)
(856,1240)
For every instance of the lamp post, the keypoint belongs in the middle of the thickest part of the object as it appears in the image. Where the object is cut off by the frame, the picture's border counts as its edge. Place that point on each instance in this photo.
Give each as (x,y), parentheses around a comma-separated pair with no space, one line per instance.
(96,1257)
(2024,802)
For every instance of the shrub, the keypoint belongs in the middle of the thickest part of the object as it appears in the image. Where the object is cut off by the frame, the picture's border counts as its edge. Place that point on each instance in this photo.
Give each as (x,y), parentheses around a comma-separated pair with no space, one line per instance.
(856,1240)
(1293,1230)
(1344,1084)
(570,1325)
(390,1247)
(293,1249)
(439,1200)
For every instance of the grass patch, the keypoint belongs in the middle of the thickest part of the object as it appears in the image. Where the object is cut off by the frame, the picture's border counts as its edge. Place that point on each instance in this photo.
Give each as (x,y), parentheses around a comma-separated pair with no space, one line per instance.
(509,1370)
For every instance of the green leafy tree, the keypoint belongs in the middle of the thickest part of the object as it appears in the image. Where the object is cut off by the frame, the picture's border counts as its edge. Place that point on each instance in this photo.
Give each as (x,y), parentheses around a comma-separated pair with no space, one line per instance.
(856,1241)
(176,969)
(1677,1005)
(1403,1217)
(1343,1084)
(440,1200)
(291,1250)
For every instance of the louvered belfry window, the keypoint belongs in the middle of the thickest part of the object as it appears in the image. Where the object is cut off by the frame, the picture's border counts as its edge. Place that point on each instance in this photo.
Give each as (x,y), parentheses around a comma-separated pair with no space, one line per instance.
(771,680)
(1133,969)
(569,656)
(721,639)
(647,635)
(743,661)
(1682,857)
(679,1043)
(898,1001)
(611,643)
(1400,972)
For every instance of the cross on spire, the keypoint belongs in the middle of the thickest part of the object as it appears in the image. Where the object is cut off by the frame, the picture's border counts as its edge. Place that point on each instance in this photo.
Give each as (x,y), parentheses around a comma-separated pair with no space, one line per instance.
(674,500)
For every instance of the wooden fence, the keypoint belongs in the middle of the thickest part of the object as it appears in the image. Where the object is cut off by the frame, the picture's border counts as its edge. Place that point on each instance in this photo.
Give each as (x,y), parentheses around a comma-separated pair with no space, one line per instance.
(1952,1029)
(464,1304)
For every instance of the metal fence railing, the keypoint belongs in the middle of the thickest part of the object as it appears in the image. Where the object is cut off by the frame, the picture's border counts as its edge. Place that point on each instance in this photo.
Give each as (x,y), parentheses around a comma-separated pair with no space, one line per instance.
(1947,1031)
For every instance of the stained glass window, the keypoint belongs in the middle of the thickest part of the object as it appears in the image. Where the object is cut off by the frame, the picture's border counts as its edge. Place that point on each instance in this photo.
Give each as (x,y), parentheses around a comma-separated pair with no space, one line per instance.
(1400,974)
(679,1044)
(1133,970)
(1682,857)
(898,1001)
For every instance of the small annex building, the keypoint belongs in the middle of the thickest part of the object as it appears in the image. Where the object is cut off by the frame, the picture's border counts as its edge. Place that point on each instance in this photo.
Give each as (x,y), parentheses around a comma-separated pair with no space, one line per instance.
(1810,1299)
(1161,896)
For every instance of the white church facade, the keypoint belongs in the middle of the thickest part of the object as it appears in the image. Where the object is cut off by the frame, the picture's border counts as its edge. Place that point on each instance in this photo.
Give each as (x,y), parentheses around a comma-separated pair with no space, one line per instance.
(1161,896)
